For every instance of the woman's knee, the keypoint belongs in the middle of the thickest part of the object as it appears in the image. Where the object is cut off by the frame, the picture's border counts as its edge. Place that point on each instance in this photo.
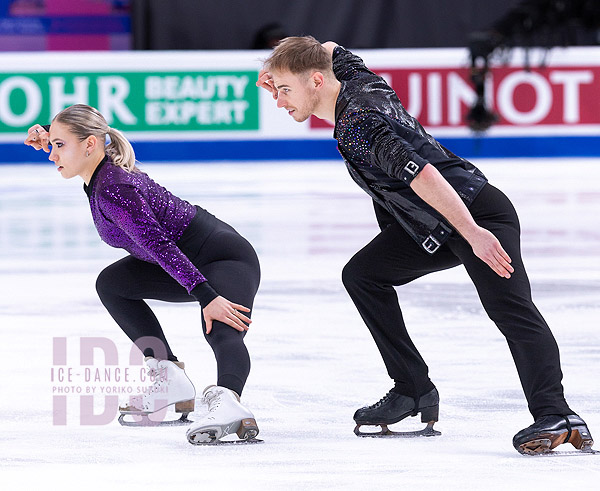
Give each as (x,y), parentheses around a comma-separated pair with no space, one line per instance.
(223,336)
(108,281)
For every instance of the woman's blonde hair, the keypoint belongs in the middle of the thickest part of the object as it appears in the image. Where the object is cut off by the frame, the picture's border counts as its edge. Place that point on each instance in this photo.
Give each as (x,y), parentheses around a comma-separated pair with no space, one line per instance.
(83,121)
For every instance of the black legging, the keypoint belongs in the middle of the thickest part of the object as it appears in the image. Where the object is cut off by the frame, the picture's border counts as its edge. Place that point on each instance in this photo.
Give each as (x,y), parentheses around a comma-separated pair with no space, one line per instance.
(224,258)
(394,258)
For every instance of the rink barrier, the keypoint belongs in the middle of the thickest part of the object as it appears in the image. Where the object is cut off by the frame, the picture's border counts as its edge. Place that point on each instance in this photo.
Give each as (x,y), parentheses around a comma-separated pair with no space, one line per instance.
(318,149)
(204,106)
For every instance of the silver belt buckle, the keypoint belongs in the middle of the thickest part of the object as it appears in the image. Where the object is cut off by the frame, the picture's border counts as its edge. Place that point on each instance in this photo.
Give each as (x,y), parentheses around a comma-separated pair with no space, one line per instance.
(431,244)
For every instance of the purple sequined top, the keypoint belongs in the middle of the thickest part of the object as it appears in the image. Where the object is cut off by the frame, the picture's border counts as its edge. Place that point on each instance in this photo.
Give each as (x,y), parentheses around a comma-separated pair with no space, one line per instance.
(134,213)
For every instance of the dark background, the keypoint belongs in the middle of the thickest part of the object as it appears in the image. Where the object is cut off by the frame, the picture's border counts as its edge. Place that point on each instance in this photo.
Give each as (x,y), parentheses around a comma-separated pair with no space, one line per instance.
(233,24)
(50,25)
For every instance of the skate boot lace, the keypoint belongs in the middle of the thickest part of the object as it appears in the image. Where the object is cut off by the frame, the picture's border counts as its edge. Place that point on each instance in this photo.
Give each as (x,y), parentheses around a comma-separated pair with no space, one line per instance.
(212,399)
(381,401)
(160,378)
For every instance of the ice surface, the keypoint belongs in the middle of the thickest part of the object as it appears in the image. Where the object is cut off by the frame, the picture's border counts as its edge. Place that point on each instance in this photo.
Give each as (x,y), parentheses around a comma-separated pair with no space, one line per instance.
(314,362)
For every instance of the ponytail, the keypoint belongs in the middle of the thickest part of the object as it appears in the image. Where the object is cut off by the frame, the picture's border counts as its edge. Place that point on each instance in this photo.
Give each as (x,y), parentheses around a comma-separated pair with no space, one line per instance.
(84,120)
(120,151)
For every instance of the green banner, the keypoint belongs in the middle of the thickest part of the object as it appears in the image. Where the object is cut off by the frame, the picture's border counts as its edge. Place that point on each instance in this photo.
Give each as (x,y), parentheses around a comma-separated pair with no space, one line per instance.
(134,101)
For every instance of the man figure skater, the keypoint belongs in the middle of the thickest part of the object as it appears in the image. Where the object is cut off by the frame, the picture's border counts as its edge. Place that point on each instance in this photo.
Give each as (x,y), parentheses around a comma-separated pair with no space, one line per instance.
(435,211)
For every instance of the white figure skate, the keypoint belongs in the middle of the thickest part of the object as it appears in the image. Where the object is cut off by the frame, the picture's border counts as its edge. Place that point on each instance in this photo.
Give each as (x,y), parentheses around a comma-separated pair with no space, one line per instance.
(170,386)
(226,415)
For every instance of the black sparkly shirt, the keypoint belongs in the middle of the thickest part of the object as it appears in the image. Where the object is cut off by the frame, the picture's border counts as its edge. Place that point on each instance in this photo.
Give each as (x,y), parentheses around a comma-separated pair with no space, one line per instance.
(384,148)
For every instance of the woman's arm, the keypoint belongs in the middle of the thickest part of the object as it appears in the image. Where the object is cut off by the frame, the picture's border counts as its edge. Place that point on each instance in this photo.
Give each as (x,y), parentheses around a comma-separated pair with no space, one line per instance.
(127,209)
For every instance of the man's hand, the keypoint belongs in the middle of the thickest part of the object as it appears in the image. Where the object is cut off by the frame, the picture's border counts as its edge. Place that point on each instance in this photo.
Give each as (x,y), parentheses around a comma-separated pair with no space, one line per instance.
(330,46)
(222,310)
(487,248)
(266,82)
(38,138)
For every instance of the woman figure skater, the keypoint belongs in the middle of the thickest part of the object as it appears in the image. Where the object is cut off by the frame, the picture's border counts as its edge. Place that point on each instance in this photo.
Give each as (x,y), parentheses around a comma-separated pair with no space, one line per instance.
(175,249)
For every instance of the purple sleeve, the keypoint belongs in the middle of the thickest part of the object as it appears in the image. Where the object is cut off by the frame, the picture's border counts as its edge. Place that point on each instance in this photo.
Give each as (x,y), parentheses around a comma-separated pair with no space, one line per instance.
(127,208)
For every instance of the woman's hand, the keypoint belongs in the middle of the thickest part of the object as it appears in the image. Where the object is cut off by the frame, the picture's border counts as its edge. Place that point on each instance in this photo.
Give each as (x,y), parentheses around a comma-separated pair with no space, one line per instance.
(222,310)
(38,138)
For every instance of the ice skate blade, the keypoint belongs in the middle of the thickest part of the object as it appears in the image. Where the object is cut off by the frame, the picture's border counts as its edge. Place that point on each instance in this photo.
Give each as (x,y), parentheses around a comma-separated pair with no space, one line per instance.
(216,442)
(566,453)
(144,420)
(385,432)
(209,437)
(183,407)
(544,452)
(543,448)
(547,442)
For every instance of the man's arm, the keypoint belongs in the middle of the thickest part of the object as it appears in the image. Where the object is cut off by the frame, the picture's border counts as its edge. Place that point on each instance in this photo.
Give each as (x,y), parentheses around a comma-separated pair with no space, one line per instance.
(348,66)
(398,158)
(432,188)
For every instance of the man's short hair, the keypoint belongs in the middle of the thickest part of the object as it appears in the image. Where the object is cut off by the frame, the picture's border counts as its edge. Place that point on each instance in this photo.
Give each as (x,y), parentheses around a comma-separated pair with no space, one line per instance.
(299,55)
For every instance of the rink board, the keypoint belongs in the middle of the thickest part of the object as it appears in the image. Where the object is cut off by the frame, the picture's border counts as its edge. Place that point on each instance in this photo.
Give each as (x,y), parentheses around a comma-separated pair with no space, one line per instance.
(204,106)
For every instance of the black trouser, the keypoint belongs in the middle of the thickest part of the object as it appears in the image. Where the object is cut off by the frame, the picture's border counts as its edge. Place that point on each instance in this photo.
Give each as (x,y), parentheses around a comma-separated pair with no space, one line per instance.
(225,259)
(394,258)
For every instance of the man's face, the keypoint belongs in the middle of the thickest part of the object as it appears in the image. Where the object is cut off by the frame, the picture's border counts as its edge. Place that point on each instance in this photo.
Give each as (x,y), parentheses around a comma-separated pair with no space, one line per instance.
(296,93)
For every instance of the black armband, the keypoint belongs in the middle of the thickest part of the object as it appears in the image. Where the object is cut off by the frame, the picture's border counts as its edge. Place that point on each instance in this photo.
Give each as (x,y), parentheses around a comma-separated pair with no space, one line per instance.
(410,171)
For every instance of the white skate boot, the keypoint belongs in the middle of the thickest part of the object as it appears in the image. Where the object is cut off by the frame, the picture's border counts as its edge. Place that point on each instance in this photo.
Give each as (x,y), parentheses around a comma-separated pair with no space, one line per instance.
(226,415)
(170,386)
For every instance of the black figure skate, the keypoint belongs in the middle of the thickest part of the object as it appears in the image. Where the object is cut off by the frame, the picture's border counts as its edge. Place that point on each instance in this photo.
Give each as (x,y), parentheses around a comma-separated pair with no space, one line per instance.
(550,431)
(395,407)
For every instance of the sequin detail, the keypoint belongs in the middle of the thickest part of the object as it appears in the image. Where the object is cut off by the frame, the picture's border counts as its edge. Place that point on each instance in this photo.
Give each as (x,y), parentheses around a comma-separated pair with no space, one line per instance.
(132,212)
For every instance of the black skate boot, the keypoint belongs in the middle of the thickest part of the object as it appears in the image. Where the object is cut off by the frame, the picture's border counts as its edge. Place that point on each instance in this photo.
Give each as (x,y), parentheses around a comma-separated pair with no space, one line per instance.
(550,431)
(395,407)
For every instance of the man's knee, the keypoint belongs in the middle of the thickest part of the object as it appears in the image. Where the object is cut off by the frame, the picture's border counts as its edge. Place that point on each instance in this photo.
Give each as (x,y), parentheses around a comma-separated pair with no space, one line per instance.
(354,272)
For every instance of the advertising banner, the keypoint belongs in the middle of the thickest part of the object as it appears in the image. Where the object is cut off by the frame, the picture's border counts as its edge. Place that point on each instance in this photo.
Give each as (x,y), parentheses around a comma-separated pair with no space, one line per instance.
(440,97)
(205,105)
(134,101)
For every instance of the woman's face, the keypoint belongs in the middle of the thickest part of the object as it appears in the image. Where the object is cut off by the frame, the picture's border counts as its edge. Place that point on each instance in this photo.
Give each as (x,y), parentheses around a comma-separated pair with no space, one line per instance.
(68,152)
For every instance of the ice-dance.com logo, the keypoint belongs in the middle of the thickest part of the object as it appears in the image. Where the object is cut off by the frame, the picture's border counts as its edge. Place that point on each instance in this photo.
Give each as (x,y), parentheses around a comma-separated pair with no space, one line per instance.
(94,391)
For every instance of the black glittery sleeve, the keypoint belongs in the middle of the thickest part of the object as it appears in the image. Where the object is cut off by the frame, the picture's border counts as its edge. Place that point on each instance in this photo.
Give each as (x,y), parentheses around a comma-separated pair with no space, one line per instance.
(371,138)
(392,153)
(348,66)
